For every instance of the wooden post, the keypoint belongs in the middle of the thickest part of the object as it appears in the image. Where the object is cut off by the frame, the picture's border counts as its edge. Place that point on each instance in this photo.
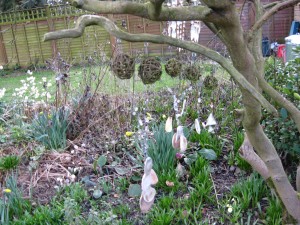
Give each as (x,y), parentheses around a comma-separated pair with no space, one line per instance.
(2,48)
(39,40)
(14,41)
(112,39)
(50,29)
(25,33)
(128,26)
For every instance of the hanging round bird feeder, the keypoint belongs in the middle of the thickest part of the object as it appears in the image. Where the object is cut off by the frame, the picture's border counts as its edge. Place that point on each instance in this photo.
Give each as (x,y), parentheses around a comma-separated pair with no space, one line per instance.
(192,72)
(150,70)
(210,82)
(173,67)
(123,66)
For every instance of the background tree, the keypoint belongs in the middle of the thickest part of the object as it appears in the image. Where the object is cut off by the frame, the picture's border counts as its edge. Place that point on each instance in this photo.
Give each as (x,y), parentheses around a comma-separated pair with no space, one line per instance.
(246,66)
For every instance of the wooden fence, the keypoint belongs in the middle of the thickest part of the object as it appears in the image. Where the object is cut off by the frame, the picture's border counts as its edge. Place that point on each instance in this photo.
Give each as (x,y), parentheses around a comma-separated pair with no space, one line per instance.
(21,36)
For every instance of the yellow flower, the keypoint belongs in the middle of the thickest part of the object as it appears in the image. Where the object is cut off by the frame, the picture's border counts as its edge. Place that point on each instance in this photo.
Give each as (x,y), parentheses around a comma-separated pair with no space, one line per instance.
(7,190)
(129,133)
(149,116)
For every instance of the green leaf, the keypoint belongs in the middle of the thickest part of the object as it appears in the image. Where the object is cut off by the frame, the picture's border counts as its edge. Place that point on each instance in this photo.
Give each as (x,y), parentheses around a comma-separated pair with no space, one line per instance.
(121,170)
(101,161)
(134,190)
(283,113)
(208,154)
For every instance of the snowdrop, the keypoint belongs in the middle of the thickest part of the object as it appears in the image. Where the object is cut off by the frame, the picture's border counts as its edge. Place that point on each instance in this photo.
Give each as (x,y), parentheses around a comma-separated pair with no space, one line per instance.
(29,72)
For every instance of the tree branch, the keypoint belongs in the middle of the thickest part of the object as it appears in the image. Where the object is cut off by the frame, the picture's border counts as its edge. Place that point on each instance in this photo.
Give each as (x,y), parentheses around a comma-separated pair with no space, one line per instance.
(247,153)
(109,26)
(150,10)
(283,102)
(277,7)
(270,5)
(298,179)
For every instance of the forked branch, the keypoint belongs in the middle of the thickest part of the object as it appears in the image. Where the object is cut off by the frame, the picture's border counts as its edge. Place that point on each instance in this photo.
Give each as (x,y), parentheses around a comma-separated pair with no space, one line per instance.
(109,26)
(247,153)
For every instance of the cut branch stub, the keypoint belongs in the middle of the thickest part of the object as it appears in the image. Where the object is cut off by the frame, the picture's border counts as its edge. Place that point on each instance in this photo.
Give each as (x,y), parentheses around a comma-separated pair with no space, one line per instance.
(192,73)
(150,70)
(123,66)
(173,67)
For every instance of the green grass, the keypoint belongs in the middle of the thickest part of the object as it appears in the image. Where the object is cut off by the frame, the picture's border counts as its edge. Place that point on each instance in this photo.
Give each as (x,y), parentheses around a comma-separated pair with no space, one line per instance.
(79,76)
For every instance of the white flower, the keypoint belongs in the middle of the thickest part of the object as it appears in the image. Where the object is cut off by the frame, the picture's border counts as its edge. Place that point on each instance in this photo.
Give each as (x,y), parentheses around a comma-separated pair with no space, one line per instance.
(197,126)
(168,126)
(2,91)
(44,79)
(29,72)
(1,67)
(210,122)
(48,95)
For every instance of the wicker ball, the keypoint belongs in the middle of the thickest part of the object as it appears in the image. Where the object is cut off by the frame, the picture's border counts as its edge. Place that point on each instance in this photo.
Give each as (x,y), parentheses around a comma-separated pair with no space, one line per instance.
(173,67)
(123,66)
(150,70)
(210,82)
(192,73)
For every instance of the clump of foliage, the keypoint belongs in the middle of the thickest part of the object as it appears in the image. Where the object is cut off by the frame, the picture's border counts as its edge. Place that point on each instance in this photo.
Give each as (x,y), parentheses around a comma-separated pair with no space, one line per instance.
(50,128)
(282,130)
(160,149)
(9,162)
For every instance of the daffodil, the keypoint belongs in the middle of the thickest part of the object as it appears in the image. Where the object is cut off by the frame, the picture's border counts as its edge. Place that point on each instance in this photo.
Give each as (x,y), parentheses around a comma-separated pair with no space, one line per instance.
(7,190)
(129,133)
(149,117)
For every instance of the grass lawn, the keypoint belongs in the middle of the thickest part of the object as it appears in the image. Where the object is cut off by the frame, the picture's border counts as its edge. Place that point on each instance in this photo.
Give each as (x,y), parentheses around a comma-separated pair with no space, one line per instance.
(79,76)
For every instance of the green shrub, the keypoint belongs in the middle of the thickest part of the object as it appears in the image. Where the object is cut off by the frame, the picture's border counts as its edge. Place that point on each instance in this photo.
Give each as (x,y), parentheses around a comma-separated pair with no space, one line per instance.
(160,149)
(50,129)
(282,130)
(9,162)
(13,206)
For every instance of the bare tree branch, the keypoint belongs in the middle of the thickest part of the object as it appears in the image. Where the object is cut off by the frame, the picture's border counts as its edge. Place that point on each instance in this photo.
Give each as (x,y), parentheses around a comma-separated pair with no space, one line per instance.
(270,5)
(298,179)
(277,7)
(247,153)
(109,26)
(150,10)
